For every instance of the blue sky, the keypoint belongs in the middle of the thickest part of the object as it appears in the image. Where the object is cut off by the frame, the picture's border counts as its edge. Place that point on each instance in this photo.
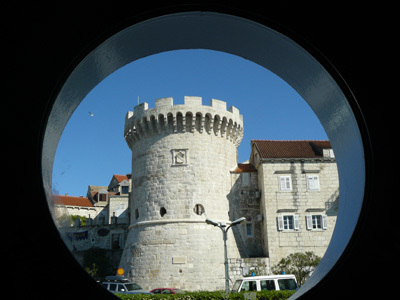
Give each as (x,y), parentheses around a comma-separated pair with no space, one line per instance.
(92,149)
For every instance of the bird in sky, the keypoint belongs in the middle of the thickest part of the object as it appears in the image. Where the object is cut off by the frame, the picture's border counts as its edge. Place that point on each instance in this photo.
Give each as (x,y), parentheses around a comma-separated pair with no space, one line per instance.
(91,114)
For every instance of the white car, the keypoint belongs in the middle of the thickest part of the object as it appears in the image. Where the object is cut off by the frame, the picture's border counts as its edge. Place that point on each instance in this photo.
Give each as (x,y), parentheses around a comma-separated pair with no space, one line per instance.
(265,283)
(121,285)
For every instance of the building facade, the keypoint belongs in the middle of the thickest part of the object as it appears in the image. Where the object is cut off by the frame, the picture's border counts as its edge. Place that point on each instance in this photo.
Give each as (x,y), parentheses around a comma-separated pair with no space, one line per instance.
(291,192)
(99,220)
(185,169)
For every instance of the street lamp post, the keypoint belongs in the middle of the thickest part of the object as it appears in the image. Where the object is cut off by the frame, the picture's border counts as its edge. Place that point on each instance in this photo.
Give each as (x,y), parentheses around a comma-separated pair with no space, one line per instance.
(224,228)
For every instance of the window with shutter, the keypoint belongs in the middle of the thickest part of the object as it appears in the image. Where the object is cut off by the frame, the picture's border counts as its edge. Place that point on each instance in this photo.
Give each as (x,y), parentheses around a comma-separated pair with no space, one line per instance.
(288,222)
(316,222)
(313,182)
(285,183)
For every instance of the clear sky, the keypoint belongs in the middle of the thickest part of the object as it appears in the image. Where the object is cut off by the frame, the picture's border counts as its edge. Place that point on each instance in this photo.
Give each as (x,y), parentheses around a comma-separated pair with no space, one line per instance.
(92,148)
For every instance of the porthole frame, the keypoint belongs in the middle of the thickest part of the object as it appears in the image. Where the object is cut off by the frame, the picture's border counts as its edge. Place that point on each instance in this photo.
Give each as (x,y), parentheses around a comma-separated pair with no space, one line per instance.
(258,43)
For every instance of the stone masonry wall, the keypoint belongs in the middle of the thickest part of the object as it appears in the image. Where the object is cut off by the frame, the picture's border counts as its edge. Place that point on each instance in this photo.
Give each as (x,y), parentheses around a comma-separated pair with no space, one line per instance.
(301,202)
(181,157)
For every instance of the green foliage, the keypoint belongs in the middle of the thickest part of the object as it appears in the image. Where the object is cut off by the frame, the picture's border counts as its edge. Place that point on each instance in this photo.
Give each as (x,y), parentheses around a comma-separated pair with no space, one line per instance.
(298,264)
(92,270)
(263,295)
(67,220)
(82,218)
(258,270)
(96,262)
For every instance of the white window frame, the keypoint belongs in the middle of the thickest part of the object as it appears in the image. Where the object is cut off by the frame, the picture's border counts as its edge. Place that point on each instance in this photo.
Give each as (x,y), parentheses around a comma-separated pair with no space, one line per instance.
(313,182)
(310,222)
(285,183)
(282,222)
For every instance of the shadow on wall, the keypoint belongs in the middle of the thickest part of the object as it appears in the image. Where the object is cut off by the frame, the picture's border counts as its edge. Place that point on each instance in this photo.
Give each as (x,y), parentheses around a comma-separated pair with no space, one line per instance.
(244,201)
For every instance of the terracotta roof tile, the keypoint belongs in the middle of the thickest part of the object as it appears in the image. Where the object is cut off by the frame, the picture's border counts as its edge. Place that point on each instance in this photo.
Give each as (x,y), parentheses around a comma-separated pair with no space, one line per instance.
(244,168)
(72,201)
(291,149)
(121,178)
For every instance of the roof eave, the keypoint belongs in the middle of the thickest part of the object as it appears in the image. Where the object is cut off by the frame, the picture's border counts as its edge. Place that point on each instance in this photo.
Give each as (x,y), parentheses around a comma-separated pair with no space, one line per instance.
(279,159)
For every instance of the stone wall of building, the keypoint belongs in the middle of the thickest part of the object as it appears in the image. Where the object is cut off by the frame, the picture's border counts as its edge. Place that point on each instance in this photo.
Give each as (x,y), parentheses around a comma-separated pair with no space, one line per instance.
(82,238)
(300,202)
(181,157)
(244,200)
(118,207)
(245,267)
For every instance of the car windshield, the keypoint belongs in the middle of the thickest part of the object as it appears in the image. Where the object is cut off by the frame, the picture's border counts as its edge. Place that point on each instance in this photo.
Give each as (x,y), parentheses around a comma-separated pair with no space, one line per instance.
(132,286)
(236,285)
(287,284)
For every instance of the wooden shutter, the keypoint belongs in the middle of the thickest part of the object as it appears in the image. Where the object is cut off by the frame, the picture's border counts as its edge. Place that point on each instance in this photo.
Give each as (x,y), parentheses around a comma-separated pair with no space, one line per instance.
(280,222)
(309,222)
(296,222)
(282,183)
(324,222)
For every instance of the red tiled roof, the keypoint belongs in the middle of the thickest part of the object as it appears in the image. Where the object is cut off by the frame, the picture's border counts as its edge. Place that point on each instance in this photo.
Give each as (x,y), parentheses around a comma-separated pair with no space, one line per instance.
(72,201)
(244,168)
(121,178)
(291,149)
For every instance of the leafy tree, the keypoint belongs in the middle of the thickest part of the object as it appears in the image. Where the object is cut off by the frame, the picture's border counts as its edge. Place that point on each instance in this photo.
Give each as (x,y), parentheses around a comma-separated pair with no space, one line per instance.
(298,264)
(97,263)
(82,218)
(92,270)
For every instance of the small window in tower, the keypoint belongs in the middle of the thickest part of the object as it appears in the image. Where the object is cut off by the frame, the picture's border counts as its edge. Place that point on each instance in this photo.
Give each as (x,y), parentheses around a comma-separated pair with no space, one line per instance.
(163,211)
(136,213)
(198,209)
(249,229)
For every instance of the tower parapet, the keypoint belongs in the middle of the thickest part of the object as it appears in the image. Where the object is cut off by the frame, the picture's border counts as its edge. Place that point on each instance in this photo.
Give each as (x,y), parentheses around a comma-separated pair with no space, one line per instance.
(191,116)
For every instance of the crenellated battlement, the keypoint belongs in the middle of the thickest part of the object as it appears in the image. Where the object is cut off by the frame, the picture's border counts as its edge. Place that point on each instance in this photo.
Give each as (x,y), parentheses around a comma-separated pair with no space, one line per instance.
(191,117)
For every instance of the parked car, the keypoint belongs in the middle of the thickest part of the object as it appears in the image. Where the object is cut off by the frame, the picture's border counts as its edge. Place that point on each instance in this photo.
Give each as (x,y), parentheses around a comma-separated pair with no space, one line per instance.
(265,283)
(121,285)
(167,291)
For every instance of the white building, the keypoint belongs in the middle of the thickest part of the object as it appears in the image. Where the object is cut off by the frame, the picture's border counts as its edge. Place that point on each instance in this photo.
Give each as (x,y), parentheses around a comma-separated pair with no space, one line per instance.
(298,186)
(105,210)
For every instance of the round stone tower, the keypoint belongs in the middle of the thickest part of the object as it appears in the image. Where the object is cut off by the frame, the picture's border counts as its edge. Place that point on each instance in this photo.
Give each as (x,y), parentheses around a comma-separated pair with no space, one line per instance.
(181,158)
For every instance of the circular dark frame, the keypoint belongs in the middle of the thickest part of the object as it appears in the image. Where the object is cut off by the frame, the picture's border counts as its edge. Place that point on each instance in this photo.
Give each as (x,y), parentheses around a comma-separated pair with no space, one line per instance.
(331,100)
